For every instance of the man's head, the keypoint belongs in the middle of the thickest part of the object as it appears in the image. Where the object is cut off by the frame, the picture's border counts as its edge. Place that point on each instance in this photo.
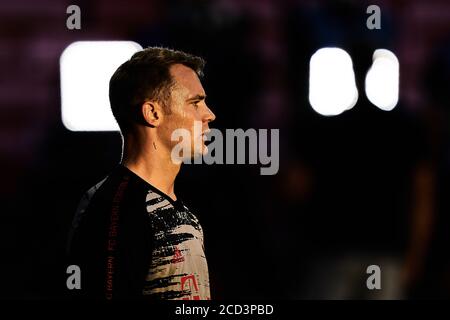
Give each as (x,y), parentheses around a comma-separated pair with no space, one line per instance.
(158,91)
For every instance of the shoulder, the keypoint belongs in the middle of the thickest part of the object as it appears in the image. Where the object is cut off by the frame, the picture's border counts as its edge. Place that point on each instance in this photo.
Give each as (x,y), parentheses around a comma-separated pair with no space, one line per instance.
(102,194)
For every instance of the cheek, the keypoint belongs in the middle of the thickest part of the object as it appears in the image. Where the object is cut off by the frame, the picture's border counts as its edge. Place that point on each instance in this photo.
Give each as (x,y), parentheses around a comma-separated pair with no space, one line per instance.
(187,119)
(183,111)
(179,119)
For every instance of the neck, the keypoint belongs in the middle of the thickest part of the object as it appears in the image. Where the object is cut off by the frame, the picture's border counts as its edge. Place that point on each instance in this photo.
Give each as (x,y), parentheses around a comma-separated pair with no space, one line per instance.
(151,161)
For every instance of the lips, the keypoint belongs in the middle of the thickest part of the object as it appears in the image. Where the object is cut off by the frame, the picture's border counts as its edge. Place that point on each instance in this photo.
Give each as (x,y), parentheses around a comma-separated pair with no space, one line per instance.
(204,133)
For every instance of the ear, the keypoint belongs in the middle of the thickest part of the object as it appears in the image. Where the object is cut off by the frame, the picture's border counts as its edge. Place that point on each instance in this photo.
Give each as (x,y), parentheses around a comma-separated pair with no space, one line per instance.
(152,113)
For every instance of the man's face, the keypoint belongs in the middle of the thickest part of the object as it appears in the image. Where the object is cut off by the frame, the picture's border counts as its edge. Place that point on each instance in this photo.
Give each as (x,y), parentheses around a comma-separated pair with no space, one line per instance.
(187,106)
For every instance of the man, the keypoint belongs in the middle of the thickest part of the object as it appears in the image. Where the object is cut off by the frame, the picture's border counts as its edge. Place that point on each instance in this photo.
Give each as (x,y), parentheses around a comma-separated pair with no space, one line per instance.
(131,236)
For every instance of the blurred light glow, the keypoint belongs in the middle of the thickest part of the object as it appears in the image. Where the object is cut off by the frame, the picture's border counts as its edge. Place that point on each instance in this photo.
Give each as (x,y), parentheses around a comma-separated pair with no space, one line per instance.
(332,86)
(85,69)
(382,80)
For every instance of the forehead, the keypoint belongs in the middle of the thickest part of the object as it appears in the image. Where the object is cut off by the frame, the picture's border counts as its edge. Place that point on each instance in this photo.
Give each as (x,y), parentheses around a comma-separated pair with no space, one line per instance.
(186,79)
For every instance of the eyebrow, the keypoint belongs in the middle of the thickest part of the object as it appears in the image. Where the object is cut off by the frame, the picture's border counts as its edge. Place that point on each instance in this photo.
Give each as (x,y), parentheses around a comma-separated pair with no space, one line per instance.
(197,97)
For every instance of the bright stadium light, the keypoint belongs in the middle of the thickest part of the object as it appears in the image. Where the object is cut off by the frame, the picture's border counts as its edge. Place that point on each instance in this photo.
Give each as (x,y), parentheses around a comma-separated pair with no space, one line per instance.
(382,80)
(332,86)
(85,70)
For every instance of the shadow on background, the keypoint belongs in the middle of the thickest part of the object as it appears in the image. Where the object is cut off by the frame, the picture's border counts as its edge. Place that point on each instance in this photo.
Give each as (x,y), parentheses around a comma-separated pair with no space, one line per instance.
(366,187)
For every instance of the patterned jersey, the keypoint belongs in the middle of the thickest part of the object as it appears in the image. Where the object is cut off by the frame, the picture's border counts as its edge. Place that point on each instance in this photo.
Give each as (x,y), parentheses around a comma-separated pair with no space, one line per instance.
(130,240)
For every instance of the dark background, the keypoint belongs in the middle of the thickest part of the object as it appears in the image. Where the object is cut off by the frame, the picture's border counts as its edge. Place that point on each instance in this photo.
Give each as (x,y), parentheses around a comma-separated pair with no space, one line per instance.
(365,187)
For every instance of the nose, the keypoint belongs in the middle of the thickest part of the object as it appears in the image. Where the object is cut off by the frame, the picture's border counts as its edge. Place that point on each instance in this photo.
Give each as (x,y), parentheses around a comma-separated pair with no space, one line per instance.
(210,116)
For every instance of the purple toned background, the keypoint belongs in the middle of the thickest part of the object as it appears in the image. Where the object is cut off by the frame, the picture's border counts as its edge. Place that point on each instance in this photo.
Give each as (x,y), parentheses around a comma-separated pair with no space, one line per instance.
(366,187)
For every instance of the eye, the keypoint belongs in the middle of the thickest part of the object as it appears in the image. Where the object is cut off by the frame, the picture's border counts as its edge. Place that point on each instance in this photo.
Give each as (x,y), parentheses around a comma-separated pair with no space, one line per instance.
(195,103)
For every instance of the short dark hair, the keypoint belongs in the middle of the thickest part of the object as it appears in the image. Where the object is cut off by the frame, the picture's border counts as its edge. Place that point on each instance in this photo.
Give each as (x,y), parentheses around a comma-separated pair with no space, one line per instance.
(146,76)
